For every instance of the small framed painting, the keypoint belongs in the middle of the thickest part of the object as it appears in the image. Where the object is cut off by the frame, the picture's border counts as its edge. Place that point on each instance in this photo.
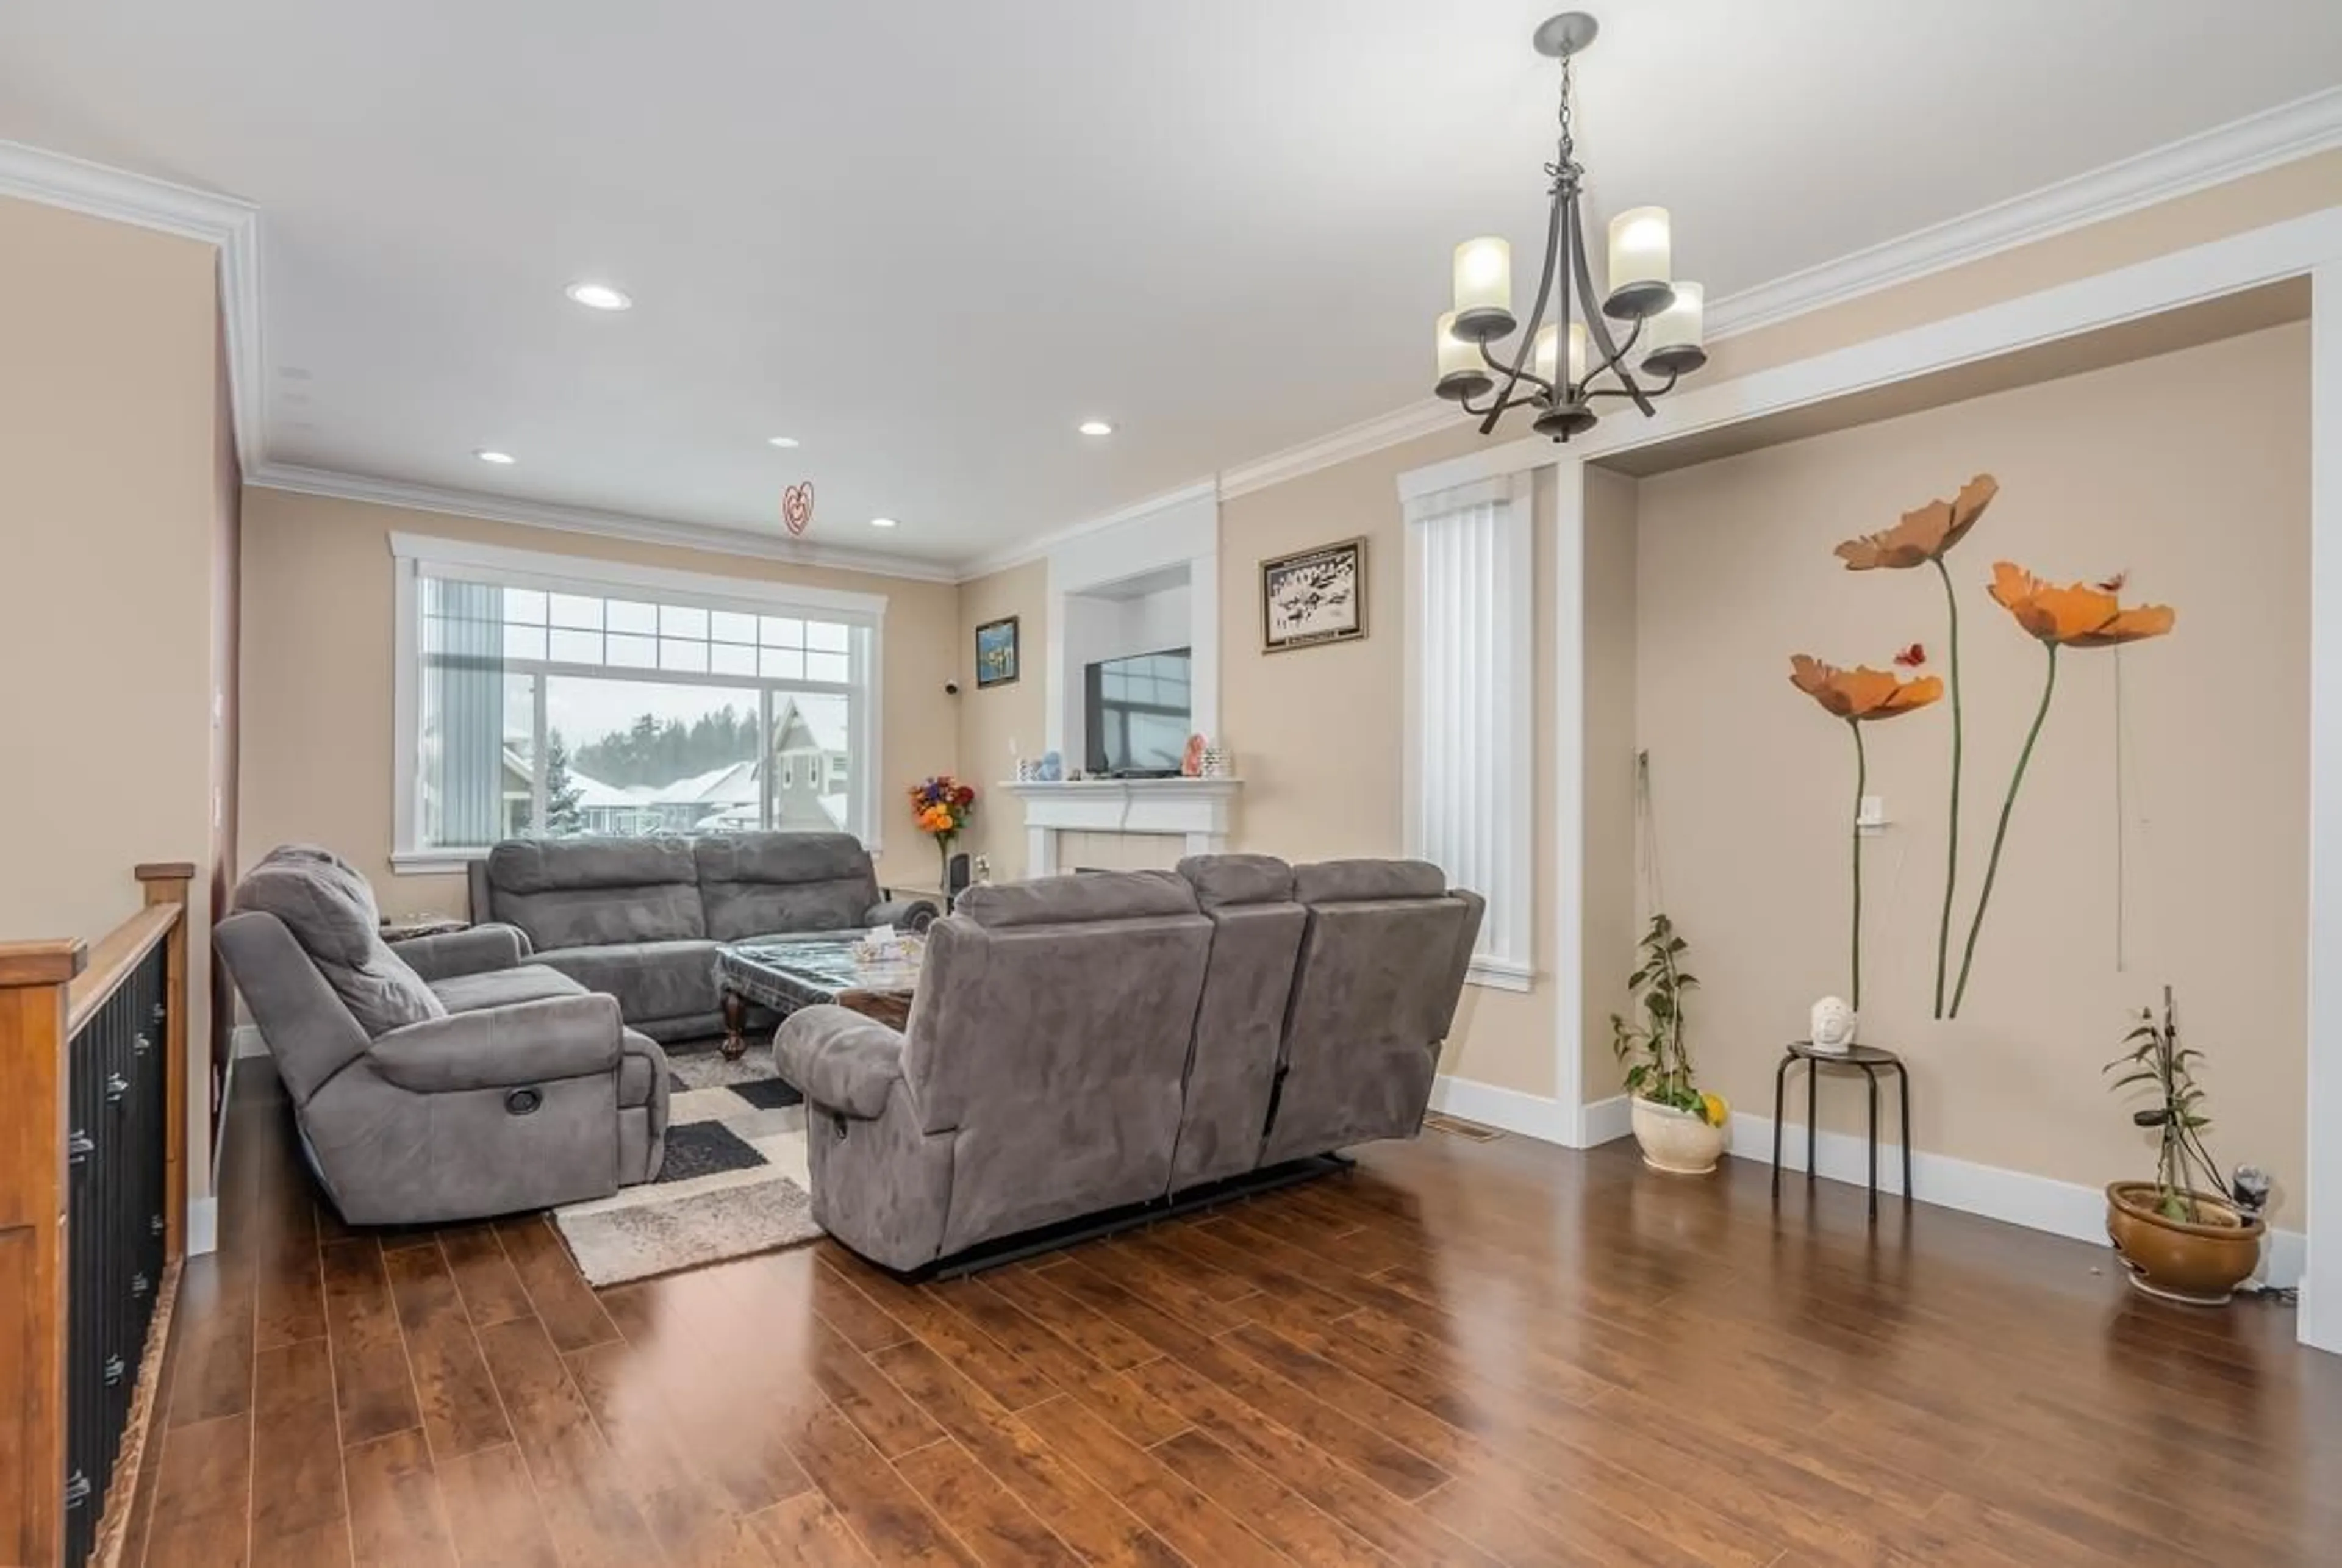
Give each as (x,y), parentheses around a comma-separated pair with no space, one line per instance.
(996,652)
(1316,597)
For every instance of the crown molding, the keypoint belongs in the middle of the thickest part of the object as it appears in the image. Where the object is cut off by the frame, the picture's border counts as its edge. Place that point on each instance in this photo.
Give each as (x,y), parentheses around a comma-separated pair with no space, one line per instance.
(985,566)
(589,521)
(1428,417)
(226,222)
(2303,128)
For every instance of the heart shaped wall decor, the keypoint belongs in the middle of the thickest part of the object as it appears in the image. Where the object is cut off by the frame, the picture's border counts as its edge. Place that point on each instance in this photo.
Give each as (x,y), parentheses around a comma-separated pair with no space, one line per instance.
(796,508)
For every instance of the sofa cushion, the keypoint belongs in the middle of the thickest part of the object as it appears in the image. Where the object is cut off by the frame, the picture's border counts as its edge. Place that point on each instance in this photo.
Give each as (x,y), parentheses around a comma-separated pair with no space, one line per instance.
(501,987)
(642,1071)
(651,979)
(330,911)
(764,884)
(1220,880)
(1064,900)
(1351,881)
(594,891)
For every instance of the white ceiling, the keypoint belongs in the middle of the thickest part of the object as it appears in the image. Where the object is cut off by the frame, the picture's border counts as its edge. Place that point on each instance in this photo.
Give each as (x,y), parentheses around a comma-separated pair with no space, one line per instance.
(927,238)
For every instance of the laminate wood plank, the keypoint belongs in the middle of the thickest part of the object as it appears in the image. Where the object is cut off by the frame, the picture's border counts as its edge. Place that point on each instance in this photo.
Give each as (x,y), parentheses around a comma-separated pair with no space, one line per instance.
(213,1326)
(1007,1377)
(807,1529)
(1113,1396)
(1086,1517)
(494,1516)
(1177,1292)
(398,1518)
(1100,1338)
(872,1498)
(202,1495)
(1162,1331)
(1260,1270)
(484,1276)
(1279,1515)
(673,1487)
(288,1286)
(372,1381)
(558,1295)
(866,1396)
(1197,1527)
(1399,1529)
(586,1508)
(989,1521)
(1397,1468)
(864,1323)
(298,1519)
(460,1408)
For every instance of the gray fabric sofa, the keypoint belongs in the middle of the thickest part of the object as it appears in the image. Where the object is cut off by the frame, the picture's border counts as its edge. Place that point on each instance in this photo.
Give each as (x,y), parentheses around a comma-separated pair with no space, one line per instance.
(640,918)
(1082,1043)
(445,1078)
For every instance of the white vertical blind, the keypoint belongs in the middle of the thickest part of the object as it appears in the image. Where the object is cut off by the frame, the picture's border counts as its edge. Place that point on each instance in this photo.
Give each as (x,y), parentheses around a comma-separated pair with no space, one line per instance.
(1469,722)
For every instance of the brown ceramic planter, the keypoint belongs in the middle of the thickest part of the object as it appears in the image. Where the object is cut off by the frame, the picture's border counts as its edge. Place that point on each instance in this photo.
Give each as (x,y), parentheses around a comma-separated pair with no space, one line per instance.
(2199,1265)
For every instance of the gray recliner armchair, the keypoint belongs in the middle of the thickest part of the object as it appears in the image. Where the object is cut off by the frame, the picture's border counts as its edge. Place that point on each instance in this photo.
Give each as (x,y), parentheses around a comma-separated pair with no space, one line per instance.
(444,1079)
(1040,1076)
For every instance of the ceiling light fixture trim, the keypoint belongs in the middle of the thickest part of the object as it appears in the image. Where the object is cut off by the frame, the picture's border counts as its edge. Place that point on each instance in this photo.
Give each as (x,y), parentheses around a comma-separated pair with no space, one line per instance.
(599,297)
(490,455)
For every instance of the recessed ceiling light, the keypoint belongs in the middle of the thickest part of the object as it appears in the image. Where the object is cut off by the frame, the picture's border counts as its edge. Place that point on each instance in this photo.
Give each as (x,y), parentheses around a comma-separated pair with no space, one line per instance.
(1097,427)
(784,442)
(489,454)
(599,297)
(882,522)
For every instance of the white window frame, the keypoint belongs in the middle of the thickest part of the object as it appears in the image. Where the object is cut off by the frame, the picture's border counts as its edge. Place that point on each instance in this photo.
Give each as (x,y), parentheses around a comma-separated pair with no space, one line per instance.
(414,556)
(1472,764)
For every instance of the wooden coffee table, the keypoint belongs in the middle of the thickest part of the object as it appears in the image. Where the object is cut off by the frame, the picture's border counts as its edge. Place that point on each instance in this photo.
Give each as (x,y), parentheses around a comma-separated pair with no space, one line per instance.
(786,972)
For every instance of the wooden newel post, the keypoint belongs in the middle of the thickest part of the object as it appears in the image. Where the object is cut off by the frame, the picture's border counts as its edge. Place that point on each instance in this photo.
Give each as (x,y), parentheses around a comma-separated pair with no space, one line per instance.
(34,976)
(167,881)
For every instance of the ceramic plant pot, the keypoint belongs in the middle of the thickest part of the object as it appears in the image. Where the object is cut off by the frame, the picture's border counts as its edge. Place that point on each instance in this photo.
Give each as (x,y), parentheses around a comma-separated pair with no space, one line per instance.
(1679,1143)
(2200,1264)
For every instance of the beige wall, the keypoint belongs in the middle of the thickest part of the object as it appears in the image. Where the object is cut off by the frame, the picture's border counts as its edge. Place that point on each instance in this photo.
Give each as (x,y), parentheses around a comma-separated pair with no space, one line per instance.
(1753,784)
(1608,928)
(109,436)
(1000,726)
(317,726)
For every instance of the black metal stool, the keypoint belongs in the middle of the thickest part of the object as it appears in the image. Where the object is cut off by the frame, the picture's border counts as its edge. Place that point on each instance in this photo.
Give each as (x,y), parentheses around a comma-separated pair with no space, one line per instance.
(1870,1061)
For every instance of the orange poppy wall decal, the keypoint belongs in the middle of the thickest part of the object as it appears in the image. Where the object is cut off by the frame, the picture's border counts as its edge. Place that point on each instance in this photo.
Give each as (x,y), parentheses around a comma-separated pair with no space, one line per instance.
(1922,539)
(1860,695)
(2078,615)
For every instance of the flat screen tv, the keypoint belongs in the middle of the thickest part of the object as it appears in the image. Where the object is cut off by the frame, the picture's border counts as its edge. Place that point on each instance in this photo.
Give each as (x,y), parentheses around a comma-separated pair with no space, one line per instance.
(1138,714)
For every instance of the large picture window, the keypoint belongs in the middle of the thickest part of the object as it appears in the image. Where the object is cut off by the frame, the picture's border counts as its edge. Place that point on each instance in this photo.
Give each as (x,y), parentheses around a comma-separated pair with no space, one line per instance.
(549,695)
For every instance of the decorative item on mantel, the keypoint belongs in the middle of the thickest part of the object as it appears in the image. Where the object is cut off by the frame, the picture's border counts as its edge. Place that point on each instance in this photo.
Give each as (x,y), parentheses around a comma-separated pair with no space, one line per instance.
(2180,1242)
(1051,768)
(1191,761)
(1832,1025)
(940,805)
(1536,373)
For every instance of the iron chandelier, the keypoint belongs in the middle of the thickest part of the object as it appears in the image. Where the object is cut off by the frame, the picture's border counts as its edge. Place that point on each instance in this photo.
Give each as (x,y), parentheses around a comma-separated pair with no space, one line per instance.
(1662,317)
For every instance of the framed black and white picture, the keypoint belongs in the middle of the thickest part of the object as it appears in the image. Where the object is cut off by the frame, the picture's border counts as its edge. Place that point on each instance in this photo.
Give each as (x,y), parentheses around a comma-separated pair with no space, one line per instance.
(996,652)
(1316,597)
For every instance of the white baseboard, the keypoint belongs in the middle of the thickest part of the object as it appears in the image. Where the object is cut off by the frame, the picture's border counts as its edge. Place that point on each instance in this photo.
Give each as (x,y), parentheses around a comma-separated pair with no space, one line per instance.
(245,1040)
(1603,1122)
(2037,1203)
(1535,1116)
(202,1226)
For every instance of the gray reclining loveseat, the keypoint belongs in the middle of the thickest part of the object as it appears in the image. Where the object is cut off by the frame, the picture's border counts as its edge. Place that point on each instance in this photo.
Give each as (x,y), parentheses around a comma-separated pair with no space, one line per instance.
(445,1078)
(640,918)
(1082,1043)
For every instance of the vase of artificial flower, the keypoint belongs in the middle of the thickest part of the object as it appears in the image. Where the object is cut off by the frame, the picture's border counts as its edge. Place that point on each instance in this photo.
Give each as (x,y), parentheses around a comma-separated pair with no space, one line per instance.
(940,805)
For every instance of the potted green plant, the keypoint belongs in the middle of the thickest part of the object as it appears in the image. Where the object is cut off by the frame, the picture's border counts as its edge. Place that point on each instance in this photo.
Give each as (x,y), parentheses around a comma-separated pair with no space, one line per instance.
(1680,1129)
(2181,1241)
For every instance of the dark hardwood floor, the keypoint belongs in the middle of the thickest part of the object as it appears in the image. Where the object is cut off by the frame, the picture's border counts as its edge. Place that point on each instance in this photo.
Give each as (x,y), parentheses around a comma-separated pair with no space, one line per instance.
(1461,1352)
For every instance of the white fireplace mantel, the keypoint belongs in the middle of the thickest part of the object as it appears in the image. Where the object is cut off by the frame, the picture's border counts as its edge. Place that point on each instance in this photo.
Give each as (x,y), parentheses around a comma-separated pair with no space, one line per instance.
(1198,811)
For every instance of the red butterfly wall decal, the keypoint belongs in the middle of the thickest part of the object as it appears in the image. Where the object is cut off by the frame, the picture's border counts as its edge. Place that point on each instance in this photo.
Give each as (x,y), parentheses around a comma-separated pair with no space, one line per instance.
(796,508)
(2114,585)
(1912,657)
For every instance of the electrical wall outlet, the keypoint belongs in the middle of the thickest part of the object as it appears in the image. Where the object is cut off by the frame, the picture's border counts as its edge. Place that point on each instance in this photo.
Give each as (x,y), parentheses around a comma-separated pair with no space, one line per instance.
(1870,820)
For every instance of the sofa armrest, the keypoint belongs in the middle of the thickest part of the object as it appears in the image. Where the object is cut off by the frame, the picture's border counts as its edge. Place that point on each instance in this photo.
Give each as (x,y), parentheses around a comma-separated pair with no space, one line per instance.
(839,1060)
(499,1047)
(904,913)
(469,952)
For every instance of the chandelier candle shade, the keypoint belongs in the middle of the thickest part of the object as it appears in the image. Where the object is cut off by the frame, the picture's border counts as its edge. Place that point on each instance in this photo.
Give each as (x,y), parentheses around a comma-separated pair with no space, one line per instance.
(1658,316)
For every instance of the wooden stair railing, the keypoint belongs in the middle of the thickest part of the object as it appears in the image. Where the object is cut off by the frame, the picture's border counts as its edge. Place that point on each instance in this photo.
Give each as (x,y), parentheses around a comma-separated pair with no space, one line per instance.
(93,1216)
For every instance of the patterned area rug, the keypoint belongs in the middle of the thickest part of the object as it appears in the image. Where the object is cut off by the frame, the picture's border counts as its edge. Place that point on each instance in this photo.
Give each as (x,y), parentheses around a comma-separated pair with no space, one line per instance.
(733,1182)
